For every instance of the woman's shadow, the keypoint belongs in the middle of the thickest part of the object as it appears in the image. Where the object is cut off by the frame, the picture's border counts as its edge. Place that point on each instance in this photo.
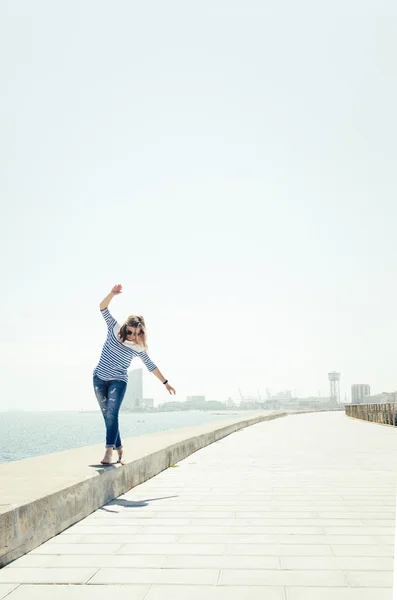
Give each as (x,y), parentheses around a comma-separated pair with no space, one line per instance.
(131,503)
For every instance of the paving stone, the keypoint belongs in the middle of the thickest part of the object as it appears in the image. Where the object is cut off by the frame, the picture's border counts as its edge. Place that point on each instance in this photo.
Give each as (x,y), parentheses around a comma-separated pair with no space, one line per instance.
(129,561)
(370,578)
(278,550)
(228,539)
(30,560)
(219,516)
(300,563)
(77,549)
(115,523)
(386,540)
(166,549)
(6,588)
(365,531)
(66,539)
(363,516)
(188,530)
(46,575)
(358,550)
(222,562)
(103,530)
(101,514)
(279,578)
(327,539)
(79,592)
(383,522)
(321,593)
(300,524)
(164,576)
(171,592)
(121,538)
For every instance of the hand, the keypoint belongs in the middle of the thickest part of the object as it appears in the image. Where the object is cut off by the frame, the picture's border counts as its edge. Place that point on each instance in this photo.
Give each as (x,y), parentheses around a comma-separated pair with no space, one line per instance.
(170,389)
(116,289)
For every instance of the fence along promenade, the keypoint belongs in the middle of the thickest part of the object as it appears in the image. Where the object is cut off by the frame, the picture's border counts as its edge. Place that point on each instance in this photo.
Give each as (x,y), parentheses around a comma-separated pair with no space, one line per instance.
(385,413)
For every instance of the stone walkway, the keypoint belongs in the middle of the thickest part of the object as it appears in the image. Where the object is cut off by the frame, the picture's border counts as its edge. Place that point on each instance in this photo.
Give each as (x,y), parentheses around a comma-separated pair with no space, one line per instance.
(299,508)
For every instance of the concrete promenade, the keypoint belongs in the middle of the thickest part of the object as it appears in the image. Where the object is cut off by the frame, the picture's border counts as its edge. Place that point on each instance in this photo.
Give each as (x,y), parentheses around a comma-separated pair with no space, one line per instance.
(298,508)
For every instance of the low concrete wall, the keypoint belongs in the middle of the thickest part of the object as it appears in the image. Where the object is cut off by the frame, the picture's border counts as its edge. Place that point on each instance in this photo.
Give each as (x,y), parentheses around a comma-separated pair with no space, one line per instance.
(42,496)
(376,413)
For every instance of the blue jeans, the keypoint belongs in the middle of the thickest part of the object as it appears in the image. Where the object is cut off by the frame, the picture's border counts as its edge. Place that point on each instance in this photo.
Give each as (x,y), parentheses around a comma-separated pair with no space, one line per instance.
(110,395)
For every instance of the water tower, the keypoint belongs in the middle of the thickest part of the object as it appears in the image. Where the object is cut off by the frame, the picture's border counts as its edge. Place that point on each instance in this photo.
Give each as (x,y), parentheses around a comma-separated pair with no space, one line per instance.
(334,391)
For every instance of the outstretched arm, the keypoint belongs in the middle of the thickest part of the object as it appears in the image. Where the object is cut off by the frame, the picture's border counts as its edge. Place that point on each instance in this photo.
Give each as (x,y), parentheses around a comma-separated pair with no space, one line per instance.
(161,377)
(116,290)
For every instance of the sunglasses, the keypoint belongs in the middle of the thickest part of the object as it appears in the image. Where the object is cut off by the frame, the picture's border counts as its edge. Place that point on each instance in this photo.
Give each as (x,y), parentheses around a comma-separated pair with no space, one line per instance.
(132,333)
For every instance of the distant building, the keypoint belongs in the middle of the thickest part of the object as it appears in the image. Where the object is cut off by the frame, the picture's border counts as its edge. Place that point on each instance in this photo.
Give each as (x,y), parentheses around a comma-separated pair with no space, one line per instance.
(286,395)
(359,390)
(195,403)
(148,402)
(195,399)
(133,398)
(171,405)
(213,404)
(312,402)
(249,402)
(384,397)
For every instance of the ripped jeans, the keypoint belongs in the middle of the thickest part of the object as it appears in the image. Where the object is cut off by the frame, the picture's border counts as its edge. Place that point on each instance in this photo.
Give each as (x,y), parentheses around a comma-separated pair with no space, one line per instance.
(110,395)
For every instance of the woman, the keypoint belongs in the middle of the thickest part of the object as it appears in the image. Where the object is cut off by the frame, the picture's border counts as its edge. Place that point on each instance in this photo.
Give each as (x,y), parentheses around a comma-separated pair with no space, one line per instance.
(122,344)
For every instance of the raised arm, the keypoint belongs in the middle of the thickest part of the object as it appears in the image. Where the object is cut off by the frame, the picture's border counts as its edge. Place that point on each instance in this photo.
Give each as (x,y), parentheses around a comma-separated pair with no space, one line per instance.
(116,290)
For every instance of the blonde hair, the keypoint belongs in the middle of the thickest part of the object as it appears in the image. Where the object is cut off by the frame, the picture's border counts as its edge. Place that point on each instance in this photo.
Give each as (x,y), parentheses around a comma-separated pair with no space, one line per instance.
(138,322)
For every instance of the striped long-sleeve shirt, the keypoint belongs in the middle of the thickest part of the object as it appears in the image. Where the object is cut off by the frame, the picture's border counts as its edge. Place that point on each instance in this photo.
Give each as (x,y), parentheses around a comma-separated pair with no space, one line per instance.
(116,355)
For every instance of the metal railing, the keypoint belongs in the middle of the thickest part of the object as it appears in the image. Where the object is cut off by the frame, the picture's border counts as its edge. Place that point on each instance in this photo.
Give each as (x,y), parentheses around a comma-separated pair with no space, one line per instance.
(385,413)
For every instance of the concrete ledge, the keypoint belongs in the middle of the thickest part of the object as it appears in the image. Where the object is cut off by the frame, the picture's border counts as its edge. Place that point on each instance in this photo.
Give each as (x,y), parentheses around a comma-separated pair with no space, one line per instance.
(42,496)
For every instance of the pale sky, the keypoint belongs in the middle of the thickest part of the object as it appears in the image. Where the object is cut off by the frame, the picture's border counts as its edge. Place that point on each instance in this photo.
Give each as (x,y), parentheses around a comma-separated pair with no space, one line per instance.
(231,163)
